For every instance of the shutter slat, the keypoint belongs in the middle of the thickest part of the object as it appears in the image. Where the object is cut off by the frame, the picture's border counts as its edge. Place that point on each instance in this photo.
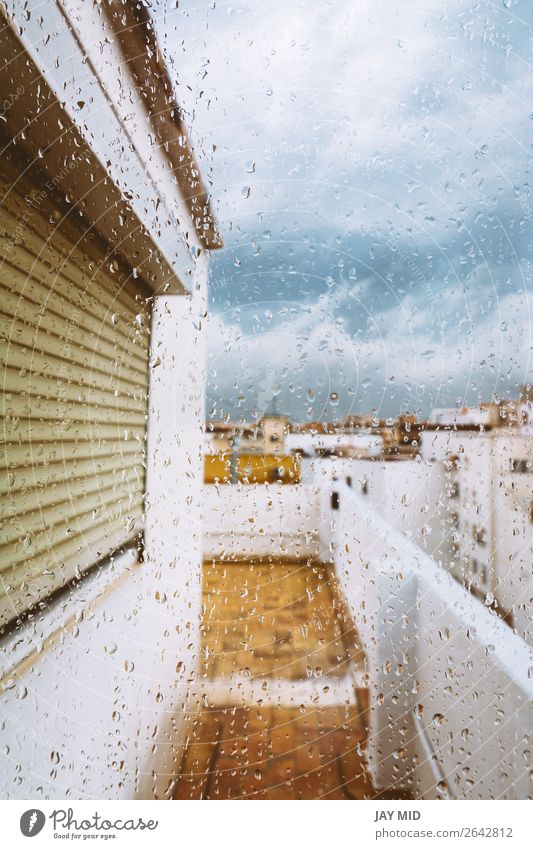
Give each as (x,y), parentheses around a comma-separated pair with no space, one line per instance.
(34,518)
(105,288)
(87,369)
(34,579)
(63,390)
(45,542)
(75,327)
(60,318)
(23,430)
(16,503)
(35,458)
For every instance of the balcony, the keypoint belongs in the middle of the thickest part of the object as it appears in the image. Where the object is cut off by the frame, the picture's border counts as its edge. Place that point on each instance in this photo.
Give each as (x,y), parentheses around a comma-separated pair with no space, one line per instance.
(354,667)
(320,654)
(280,710)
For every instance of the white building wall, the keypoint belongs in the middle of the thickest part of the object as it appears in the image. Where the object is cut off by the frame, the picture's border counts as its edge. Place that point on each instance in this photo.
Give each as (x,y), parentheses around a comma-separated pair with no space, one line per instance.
(174,478)
(410,494)
(435,445)
(491,509)
(243,521)
(98,684)
(513,535)
(450,691)
(472,499)
(91,696)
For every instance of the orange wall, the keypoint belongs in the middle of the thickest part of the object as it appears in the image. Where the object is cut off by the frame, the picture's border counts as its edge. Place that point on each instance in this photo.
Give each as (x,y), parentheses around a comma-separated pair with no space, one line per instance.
(253,468)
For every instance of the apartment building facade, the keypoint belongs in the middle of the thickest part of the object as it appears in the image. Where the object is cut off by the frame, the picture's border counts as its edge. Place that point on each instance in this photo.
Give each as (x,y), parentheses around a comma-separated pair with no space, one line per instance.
(490,503)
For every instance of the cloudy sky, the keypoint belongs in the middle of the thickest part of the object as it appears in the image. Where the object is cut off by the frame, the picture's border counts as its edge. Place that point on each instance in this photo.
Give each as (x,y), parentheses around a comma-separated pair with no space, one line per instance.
(370,166)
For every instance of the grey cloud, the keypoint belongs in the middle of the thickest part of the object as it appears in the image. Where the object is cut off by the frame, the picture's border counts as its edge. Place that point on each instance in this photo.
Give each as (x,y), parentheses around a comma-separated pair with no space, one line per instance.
(371,175)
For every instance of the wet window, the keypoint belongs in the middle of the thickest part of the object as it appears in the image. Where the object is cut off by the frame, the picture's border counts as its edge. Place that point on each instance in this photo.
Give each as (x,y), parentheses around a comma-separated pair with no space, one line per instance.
(267,394)
(521,467)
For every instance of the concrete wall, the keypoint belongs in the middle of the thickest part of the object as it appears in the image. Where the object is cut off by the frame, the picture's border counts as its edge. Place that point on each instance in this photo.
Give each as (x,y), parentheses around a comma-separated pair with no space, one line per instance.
(95,688)
(174,476)
(410,494)
(91,695)
(449,680)
(513,531)
(249,521)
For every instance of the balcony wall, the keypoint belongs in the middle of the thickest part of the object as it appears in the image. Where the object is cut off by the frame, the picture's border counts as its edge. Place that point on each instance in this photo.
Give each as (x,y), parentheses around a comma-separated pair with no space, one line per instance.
(92,703)
(449,681)
(450,689)
(408,494)
(251,521)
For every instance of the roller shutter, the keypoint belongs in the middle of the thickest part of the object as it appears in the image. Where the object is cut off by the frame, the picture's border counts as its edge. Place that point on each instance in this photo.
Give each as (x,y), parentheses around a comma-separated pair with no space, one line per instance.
(75,344)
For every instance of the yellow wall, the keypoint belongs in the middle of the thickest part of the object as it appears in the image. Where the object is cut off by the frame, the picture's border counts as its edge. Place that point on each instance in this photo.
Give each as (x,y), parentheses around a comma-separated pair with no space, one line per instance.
(253,468)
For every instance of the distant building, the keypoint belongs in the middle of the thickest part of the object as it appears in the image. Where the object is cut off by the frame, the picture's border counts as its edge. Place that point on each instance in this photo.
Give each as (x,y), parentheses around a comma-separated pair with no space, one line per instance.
(360,444)
(489,498)
(462,489)
(266,436)
(484,414)
(219,437)
(503,413)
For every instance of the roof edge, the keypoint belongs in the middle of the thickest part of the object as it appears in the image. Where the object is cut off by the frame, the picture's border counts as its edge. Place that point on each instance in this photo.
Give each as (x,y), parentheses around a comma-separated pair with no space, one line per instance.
(134,30)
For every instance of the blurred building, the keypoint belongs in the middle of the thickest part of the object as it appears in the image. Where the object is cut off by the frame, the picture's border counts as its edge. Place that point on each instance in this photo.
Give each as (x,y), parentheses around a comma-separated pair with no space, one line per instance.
(265,436)
(488,464)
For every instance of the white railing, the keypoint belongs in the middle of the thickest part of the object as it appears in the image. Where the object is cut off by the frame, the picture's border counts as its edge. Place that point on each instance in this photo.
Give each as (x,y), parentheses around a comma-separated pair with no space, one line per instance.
(451,686)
